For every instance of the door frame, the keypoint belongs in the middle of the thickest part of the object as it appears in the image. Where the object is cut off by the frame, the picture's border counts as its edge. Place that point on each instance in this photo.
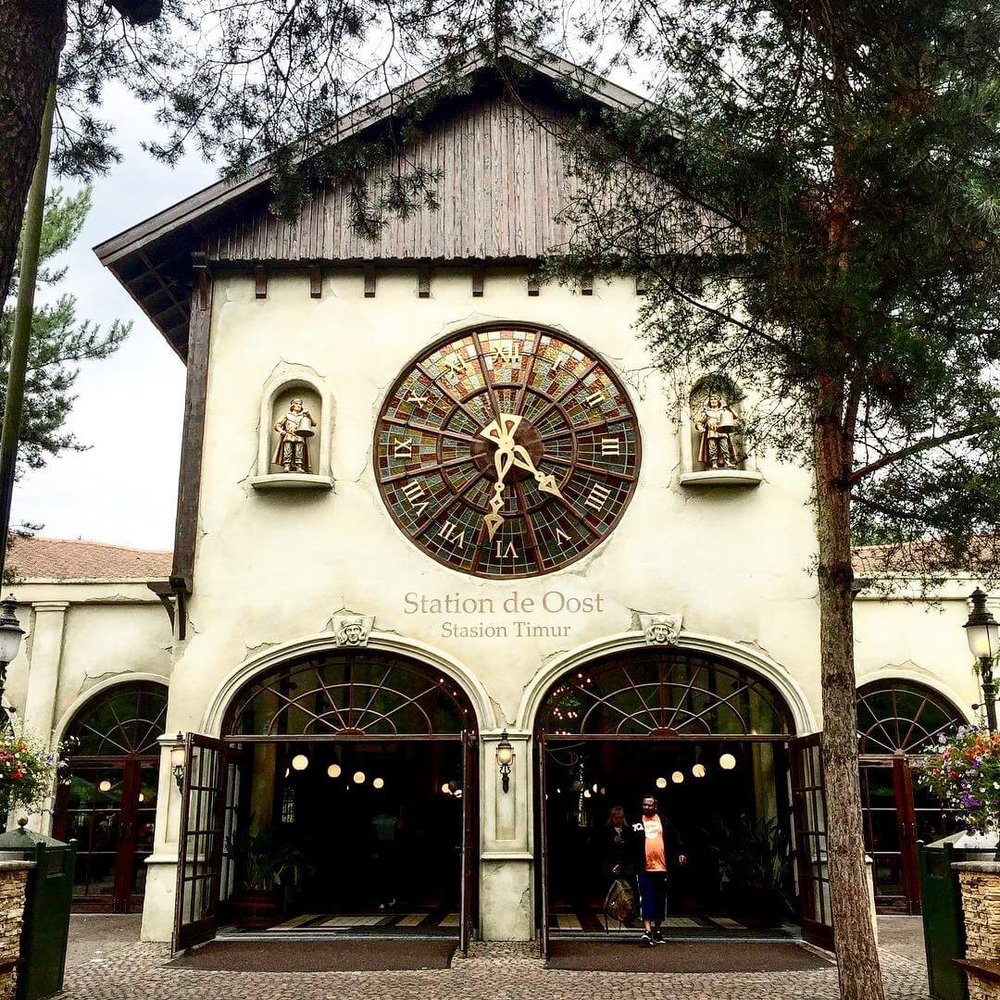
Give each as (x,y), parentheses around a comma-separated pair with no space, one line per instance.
(122,898)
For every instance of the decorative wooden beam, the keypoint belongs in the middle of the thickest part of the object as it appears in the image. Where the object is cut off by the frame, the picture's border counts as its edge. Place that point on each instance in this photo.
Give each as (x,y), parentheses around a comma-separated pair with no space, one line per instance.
(369,282)
(260,283)
(478,281)
(424,281)
(315,282)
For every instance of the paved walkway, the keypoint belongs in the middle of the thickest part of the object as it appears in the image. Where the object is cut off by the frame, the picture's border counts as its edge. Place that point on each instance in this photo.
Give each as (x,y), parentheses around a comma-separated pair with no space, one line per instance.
(105,962)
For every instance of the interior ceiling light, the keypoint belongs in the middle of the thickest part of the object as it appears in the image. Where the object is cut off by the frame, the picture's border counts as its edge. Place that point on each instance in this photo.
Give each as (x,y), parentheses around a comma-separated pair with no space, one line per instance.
(677,777)
(378,783)
(727,762)
(300,762)
(334,770)
(359,777)
(661,782)
(698,770)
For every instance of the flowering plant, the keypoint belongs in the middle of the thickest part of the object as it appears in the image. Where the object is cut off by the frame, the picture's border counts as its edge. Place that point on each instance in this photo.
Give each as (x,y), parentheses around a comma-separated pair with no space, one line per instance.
(965,773)
(27,771)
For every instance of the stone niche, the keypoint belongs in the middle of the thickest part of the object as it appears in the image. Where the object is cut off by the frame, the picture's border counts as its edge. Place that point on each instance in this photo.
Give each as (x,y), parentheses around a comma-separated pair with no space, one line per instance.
(713,447)
(294,399)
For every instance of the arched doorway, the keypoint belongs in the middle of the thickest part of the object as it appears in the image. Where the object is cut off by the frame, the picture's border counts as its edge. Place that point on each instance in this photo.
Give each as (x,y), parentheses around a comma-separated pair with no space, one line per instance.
(898,722)
(715,741)
(108,801)
(351,771)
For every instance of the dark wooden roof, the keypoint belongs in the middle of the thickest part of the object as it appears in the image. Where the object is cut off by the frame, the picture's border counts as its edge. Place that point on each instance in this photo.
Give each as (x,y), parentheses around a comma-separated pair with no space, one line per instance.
(502,186)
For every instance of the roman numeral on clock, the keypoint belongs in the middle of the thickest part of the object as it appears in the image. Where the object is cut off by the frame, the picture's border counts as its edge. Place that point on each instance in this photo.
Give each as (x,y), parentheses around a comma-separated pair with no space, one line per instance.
(508,551)
(450,533)
(611,446)
(402,447)
(597,497)
(594,398)
(417,400)
(415,493)
(561,536)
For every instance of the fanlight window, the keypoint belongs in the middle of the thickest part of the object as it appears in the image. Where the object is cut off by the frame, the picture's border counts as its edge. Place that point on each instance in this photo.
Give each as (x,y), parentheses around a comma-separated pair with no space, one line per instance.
(122,721)
(664,693)
(351,694)
(902,718)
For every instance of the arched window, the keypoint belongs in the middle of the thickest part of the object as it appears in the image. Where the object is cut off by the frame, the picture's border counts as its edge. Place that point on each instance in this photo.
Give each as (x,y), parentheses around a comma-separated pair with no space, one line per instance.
(107,802)
(663,693)
(351,694)
(124,720)
(901,717)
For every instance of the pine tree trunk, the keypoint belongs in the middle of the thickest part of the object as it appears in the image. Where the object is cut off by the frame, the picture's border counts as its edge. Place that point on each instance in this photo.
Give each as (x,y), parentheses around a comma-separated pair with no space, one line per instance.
(32,33)
(857,956)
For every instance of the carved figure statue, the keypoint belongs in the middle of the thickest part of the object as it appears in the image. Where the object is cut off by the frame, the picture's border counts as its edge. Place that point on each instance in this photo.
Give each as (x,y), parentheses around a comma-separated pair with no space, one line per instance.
(294,429)
(717,424)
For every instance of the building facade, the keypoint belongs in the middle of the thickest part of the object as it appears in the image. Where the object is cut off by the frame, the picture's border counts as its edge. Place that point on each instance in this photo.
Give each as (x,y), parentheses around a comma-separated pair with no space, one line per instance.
(457,569)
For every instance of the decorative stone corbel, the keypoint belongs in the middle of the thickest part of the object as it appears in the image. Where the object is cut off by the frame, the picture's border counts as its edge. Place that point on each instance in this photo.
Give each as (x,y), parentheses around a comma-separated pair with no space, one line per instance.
(660,628)
(353,630)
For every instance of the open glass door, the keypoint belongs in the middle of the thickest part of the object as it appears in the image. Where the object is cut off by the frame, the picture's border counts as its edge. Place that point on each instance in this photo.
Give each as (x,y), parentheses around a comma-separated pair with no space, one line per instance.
(812,865)
(199,861)
(543,852)
(469,843)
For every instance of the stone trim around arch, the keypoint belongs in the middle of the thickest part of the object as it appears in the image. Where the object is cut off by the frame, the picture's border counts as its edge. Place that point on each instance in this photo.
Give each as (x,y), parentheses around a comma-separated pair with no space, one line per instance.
(59,731)
(803,717)
(321,642)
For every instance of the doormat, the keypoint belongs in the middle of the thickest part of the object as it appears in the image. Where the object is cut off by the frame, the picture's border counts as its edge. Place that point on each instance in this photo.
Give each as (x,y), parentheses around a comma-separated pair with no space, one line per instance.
(626,955)
(424,922)
(369,955)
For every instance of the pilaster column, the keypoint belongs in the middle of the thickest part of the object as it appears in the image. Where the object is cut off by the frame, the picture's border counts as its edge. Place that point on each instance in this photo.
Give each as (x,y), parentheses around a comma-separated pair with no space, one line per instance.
(47,629)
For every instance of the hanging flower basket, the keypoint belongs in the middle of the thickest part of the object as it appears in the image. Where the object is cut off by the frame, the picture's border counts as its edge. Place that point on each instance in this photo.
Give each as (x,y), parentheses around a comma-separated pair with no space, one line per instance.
(964,772)
(27,771)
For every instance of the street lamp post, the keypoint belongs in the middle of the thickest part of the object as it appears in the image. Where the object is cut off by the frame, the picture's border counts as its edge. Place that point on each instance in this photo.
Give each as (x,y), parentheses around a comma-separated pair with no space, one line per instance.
(983,634)
(10,636)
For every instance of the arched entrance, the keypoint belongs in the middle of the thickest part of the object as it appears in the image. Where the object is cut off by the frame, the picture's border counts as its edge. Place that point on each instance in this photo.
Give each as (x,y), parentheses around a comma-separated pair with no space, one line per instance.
(108,801)
(715,741)
(340,797)
(898,722)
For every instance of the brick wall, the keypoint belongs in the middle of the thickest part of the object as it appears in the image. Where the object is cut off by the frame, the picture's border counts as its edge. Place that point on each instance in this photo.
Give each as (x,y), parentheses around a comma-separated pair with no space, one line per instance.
(980,882)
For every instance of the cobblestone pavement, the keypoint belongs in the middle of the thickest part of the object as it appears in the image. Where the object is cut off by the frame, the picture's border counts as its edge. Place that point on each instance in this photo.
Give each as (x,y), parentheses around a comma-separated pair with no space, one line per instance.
(109,970)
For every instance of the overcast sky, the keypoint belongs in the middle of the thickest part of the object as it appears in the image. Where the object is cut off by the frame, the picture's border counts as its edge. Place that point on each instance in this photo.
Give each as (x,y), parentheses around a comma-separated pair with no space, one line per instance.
(129,407)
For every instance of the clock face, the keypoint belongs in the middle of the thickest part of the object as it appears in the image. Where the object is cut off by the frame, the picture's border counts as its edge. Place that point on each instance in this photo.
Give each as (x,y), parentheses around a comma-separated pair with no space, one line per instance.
(507,451)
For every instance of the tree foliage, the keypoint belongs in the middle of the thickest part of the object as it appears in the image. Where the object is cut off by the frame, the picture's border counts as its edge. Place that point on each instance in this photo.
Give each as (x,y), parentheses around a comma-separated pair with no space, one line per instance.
(815,191)
(60,340)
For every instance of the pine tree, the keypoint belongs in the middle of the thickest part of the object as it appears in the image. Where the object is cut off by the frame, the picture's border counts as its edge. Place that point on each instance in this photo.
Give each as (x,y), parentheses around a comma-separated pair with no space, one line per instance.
(813,197)
(60,340)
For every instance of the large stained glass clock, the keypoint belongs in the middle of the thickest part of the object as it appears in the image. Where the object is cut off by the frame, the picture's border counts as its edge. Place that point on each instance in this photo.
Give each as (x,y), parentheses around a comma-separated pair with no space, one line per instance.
(507,451)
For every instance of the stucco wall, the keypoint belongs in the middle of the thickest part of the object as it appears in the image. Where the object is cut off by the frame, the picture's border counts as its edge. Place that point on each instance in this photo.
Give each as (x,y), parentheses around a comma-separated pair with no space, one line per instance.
(273,566)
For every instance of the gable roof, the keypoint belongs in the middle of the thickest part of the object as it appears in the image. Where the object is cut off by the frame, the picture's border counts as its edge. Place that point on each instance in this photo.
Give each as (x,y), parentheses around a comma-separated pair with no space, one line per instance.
(153,258)
(33,558)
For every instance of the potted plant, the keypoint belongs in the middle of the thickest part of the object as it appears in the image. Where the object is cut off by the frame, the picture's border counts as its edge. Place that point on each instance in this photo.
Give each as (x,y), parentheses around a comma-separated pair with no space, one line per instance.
(755,868)
(964,772)
(262,861)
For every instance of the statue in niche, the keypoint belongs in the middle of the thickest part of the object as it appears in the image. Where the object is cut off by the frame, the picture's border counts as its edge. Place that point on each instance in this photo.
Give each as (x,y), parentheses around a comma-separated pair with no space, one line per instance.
(717,425)
(294,430)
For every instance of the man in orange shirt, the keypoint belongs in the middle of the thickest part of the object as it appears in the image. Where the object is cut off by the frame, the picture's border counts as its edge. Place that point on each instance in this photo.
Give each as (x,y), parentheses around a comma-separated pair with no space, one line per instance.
(652,837)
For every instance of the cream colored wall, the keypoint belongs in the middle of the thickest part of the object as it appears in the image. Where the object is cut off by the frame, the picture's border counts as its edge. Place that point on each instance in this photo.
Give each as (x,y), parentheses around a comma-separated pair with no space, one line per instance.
(273,566)
(919,640)
(78,638)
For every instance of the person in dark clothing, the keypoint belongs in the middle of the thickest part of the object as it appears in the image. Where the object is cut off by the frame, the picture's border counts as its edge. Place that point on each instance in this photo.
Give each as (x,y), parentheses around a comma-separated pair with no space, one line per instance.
(653,840)
(619,861)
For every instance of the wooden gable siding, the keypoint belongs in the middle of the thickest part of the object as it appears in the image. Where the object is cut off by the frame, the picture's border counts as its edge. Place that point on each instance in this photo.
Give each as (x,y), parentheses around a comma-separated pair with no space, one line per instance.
(502,183)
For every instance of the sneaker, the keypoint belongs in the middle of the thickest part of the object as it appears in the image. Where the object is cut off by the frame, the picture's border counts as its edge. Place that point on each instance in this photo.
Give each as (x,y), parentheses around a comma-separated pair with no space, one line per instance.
(645,941)
(657,937)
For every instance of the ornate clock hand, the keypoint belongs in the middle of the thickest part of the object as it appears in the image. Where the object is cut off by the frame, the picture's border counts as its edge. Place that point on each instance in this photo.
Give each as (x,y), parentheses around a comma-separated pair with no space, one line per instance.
(546,482)
(503,461)
(501,433)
